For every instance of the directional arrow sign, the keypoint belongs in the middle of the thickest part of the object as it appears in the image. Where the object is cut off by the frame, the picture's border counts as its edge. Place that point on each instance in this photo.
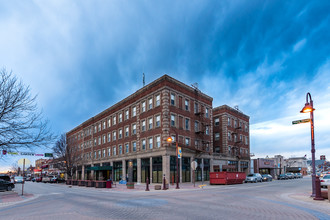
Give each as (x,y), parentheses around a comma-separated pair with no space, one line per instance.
(301,121)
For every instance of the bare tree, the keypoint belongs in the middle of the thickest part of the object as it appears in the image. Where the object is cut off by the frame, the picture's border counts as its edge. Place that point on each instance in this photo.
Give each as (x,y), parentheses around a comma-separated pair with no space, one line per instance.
(68,157)
(21,124)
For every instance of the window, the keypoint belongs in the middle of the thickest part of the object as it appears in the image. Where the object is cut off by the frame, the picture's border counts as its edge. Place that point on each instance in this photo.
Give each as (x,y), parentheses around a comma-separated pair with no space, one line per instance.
(104,139)
(120,117)
(126,148)
(229,121)
(150,143)
(196,107)
(134,146)
(216,136)
(150,123)
(99,154)
(158,141)
(143,109)
(235,137)
(216,122)
(172,99)
(104,124)
(187,142)
(126,132)
(134,111)
(150,103)
(207,130)
(235,124)
(120,149)
(109,123)
(143,144)
(206,112)
(99,127)
(143,127)
(94,154)
(157,120)
(114,151)
(120,134)
(240,138)
(196,126)
(103,152)
(157,100)
(126,114)
(196,143)
(114,135)
(246,128)
(246,140)
(217,149)
(99,141)
(187,124)
(172,120)
(95,129)
(186,104)
(114,119)
(109,152)
(229,136)
(229,150)
(109,137)
(134,129)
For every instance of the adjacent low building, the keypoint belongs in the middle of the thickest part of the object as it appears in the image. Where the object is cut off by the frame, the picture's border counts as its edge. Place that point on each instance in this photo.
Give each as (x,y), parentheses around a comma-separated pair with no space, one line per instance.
(134,132)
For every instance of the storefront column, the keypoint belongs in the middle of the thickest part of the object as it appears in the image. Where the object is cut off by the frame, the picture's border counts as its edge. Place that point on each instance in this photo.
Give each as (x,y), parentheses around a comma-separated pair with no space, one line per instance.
(239,166)
(211,165)
(180,164)
(150,181)
(76,177)
(124,170)
(138,161)
(83,172)
(166,167)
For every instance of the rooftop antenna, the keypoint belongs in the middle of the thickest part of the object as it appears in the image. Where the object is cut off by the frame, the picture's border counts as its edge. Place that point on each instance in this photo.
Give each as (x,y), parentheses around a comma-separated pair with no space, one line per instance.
(144,81)
(195,86)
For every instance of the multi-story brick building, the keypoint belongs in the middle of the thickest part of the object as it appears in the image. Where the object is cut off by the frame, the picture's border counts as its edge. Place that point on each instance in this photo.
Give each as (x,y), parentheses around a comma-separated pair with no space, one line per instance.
(231,139)
(136,130)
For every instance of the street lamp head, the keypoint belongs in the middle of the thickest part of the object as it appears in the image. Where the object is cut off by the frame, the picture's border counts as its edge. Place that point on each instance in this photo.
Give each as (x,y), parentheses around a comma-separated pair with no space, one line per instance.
(169,139)
(307,108)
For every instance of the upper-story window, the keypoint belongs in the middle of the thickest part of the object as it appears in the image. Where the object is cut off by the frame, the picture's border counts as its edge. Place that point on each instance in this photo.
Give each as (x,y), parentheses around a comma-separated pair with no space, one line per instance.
(126,132)
(114,151)
(150,143)
(134,146)
(143,127)
(172,99)
(235,123)
(246,128)
(246,141)
(104,124)
(158,100)
(186,105)
(109,123)
(207,130)
(114,120)
(150,123)
(134,129)
(158,141)
(109,137)
(143,108)
(150,103)
(187,124)
(196,108)
(172,120)
(134,111)
(187,142)
(216,122)
(207,112)
(120,149)
(126,114)
(126,148)
(100,127)
(143,144)
(95,129)
(229,121)
(104,139)
(103,152)
(229,136)
(196,126)
(109,152)
(114,135)
(120,133)
(157,120)
(216,136)
(120,119)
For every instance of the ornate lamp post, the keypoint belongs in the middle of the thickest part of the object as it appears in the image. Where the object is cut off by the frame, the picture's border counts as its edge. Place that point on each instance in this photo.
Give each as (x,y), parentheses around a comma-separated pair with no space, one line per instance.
(309,108)
(170,140)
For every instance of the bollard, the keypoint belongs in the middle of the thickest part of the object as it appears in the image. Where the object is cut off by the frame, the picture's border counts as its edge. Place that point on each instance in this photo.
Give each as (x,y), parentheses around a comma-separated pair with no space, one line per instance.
(147,184)
(318,195)
(164,183)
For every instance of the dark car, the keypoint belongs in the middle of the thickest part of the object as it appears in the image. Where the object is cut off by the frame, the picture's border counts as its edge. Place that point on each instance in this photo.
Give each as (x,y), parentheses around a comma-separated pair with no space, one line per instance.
(267,177)
(282,177)
(38,179)
(6,185)
(5,177)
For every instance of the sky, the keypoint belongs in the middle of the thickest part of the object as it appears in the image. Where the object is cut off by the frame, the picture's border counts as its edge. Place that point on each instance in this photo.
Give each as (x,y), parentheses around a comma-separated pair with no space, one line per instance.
(81,57)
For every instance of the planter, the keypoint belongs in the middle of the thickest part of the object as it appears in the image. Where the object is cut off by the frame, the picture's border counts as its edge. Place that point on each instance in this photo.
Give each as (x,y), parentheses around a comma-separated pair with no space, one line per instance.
(130,185)
(89,183)
(81,182)
(158,187)
(100,184)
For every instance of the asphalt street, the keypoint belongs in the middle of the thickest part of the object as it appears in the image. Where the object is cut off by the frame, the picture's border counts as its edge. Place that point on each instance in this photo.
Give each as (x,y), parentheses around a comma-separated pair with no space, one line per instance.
(287,199)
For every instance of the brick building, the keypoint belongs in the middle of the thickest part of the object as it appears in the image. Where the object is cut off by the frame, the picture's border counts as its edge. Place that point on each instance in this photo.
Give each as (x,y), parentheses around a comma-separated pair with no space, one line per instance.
(231,139)
(135,131)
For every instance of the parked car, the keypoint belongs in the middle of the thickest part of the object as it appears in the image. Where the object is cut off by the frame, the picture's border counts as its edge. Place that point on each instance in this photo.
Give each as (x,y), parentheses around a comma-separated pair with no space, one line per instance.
(48,179)
(282,177)
(299,175)
(253,177)
(290,175)
(38,179)
(325,181)
(19,179)
(6,185)
(53,179)
(267,177)
(5,177)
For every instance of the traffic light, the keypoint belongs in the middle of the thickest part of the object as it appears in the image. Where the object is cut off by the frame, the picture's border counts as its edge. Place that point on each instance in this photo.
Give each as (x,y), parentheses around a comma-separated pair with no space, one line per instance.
(4,152)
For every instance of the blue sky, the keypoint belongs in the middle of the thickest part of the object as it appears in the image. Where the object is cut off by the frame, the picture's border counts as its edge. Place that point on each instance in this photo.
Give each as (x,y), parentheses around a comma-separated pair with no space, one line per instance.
(81,57)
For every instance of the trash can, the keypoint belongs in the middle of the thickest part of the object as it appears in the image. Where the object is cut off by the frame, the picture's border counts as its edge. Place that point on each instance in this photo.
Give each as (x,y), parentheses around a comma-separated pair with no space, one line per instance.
(108,184)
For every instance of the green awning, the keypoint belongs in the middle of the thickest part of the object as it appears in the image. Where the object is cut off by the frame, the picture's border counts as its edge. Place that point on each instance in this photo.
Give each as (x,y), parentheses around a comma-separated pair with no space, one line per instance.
(100,168)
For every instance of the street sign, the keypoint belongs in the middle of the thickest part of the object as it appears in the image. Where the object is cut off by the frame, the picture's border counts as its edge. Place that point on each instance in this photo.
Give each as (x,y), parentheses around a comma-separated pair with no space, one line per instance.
(301,121)
(179,152)
(48,155)
(194,165)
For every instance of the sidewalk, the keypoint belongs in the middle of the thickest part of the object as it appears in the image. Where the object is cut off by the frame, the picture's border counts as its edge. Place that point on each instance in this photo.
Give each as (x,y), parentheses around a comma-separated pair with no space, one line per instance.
(10,197)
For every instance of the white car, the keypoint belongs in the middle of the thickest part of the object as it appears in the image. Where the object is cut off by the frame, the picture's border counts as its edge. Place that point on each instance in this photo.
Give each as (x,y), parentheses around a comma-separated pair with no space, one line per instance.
(325,181)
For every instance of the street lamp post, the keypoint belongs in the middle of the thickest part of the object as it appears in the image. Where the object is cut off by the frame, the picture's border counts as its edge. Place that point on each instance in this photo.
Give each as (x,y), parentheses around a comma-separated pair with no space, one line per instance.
(169,139)
(309,108)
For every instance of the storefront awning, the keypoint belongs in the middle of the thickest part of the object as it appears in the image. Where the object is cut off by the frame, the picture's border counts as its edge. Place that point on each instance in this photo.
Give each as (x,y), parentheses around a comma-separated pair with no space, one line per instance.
(100,168)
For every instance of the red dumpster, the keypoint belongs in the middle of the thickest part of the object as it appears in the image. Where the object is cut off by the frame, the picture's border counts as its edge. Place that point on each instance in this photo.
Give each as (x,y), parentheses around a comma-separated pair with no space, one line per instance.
(108,184)
(227,178)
